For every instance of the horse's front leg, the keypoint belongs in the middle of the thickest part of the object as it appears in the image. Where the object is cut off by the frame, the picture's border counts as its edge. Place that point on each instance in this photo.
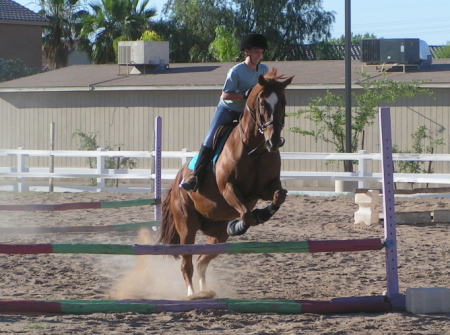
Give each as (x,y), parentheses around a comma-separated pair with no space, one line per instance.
(278,195)
(235,199)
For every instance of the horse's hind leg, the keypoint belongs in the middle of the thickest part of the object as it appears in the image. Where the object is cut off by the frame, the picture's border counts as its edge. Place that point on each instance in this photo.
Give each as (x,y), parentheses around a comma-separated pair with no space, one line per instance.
(203,260)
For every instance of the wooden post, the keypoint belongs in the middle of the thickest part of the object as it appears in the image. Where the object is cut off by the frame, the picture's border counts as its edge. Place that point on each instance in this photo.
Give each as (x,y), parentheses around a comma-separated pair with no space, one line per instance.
(21,181)
(52,159)
(118,167)
(100,170)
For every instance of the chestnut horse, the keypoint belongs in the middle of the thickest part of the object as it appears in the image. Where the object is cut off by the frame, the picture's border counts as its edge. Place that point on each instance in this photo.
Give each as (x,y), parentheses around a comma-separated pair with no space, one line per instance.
(247,170)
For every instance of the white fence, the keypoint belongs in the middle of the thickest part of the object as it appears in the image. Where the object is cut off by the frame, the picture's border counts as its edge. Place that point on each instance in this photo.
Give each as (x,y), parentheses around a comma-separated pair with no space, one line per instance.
(15,178)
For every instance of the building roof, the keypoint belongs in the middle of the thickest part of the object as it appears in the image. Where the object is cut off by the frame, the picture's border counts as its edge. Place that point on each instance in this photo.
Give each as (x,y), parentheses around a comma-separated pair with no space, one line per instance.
(12,11)
(198,76)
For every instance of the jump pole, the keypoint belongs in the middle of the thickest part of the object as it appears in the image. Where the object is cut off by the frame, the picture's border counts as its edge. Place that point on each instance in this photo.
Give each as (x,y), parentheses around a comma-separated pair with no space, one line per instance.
(390,235)
(81,229)
(80,205)
(282,306)
(196,249)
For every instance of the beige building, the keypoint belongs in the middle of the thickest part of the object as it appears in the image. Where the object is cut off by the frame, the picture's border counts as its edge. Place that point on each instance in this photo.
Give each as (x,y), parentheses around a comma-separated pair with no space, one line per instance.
(121,109)
(21,34)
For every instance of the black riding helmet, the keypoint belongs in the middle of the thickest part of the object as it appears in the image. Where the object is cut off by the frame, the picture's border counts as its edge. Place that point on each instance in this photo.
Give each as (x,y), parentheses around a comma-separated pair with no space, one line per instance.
(253,41)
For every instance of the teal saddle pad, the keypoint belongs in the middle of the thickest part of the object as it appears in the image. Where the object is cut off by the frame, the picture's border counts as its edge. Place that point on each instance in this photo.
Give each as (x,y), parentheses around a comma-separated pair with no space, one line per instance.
(217,150)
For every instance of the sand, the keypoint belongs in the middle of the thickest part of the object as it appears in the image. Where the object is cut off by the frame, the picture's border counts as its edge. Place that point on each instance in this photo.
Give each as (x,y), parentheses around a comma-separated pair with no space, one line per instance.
(423,249)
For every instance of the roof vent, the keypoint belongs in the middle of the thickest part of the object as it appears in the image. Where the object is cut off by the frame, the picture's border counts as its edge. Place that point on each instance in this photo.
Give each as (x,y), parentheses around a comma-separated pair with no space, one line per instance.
(143,54)
(404,51)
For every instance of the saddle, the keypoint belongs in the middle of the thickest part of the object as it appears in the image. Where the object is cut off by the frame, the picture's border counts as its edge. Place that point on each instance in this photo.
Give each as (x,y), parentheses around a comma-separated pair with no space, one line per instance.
(223,130)
(220,137)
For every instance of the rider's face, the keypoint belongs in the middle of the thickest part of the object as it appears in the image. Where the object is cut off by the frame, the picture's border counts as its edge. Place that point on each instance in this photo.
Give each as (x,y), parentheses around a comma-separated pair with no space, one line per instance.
(256,54)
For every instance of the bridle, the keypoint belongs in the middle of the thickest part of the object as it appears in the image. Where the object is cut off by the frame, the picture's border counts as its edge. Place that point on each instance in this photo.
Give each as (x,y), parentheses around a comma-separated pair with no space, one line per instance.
(261,127)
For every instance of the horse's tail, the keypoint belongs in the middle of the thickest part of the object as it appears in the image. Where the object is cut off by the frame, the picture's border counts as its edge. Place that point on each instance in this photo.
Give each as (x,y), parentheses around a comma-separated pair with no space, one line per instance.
(168,233)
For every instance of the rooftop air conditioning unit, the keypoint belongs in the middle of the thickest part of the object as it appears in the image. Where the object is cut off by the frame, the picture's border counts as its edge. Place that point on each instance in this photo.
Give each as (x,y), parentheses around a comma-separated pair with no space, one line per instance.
(143,53)
(407,51)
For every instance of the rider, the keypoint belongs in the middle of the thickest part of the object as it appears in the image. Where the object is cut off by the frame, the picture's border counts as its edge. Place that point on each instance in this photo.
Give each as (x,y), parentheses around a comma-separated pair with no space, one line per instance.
(240,80)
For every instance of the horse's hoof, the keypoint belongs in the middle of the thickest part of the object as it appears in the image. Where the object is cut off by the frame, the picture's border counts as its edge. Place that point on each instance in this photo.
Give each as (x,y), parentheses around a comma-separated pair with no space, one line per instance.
(202,295)
(236,228)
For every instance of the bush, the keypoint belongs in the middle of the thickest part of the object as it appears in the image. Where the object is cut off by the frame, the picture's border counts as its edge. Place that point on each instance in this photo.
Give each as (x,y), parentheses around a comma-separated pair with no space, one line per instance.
(14,69)
(423,143)
(329,113)
(89,142)
(444,52)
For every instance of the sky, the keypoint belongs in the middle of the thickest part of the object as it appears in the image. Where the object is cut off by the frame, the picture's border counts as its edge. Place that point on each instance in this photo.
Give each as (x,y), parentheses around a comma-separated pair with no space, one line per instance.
(428,20)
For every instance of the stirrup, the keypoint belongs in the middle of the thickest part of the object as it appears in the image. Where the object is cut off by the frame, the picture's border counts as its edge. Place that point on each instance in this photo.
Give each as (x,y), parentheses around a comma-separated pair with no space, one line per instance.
(191,185)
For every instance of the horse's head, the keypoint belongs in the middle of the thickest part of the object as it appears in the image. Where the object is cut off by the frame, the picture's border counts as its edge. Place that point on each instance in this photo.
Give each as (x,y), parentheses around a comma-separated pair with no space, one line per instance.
(269,103)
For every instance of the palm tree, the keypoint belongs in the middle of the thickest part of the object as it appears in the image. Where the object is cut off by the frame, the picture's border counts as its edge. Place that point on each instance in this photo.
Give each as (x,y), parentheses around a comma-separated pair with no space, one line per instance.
(139,19)
(111,19)
(59,37)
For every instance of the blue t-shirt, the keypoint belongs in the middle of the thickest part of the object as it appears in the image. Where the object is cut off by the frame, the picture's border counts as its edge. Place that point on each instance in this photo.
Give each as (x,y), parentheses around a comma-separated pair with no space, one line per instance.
(239,79)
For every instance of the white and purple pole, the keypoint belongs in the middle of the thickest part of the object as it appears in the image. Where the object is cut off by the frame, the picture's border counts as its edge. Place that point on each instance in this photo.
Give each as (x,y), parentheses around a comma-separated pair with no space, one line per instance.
(158,138)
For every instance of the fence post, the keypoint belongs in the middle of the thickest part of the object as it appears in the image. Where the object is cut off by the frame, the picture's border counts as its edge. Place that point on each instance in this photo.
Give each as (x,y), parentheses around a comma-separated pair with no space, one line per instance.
(362,169)
(158,139)
(52,158)
(100,170)
(21,181)
(185,159)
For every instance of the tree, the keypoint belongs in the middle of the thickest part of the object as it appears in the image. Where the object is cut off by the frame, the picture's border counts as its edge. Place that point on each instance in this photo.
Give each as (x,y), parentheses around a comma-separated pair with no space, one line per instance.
(146,36)
(287,25)
(444,52)
(111,19)
(326,50)
(225,47)
(88,141)
(139,18)
(355,39)
(190,27)
(59,37)
(329,113)
(423,143)
(13,69)
(150,36)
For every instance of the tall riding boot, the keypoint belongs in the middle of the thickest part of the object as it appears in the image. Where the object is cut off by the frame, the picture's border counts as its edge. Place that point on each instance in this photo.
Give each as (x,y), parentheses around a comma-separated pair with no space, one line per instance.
(204,157)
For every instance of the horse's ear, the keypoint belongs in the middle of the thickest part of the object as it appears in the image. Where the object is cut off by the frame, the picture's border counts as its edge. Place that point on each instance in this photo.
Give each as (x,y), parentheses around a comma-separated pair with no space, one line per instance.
(261,80)
(287,82)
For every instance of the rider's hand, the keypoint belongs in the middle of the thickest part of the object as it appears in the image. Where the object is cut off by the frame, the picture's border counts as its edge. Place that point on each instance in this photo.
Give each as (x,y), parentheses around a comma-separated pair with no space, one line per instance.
(246,93)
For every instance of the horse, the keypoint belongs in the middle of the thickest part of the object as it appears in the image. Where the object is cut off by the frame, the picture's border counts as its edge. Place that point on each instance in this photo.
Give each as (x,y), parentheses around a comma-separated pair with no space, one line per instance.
(246,171)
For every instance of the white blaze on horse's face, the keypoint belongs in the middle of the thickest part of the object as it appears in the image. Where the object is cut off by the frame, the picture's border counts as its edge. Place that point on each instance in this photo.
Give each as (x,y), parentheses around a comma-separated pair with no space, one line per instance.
(272,101)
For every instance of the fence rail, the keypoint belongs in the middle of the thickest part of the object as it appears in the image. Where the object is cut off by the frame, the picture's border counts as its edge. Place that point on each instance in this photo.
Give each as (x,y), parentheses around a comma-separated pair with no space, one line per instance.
(21,172)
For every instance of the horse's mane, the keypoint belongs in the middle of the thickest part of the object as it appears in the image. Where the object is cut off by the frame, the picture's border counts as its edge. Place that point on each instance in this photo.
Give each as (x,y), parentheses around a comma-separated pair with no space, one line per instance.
(272,75)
